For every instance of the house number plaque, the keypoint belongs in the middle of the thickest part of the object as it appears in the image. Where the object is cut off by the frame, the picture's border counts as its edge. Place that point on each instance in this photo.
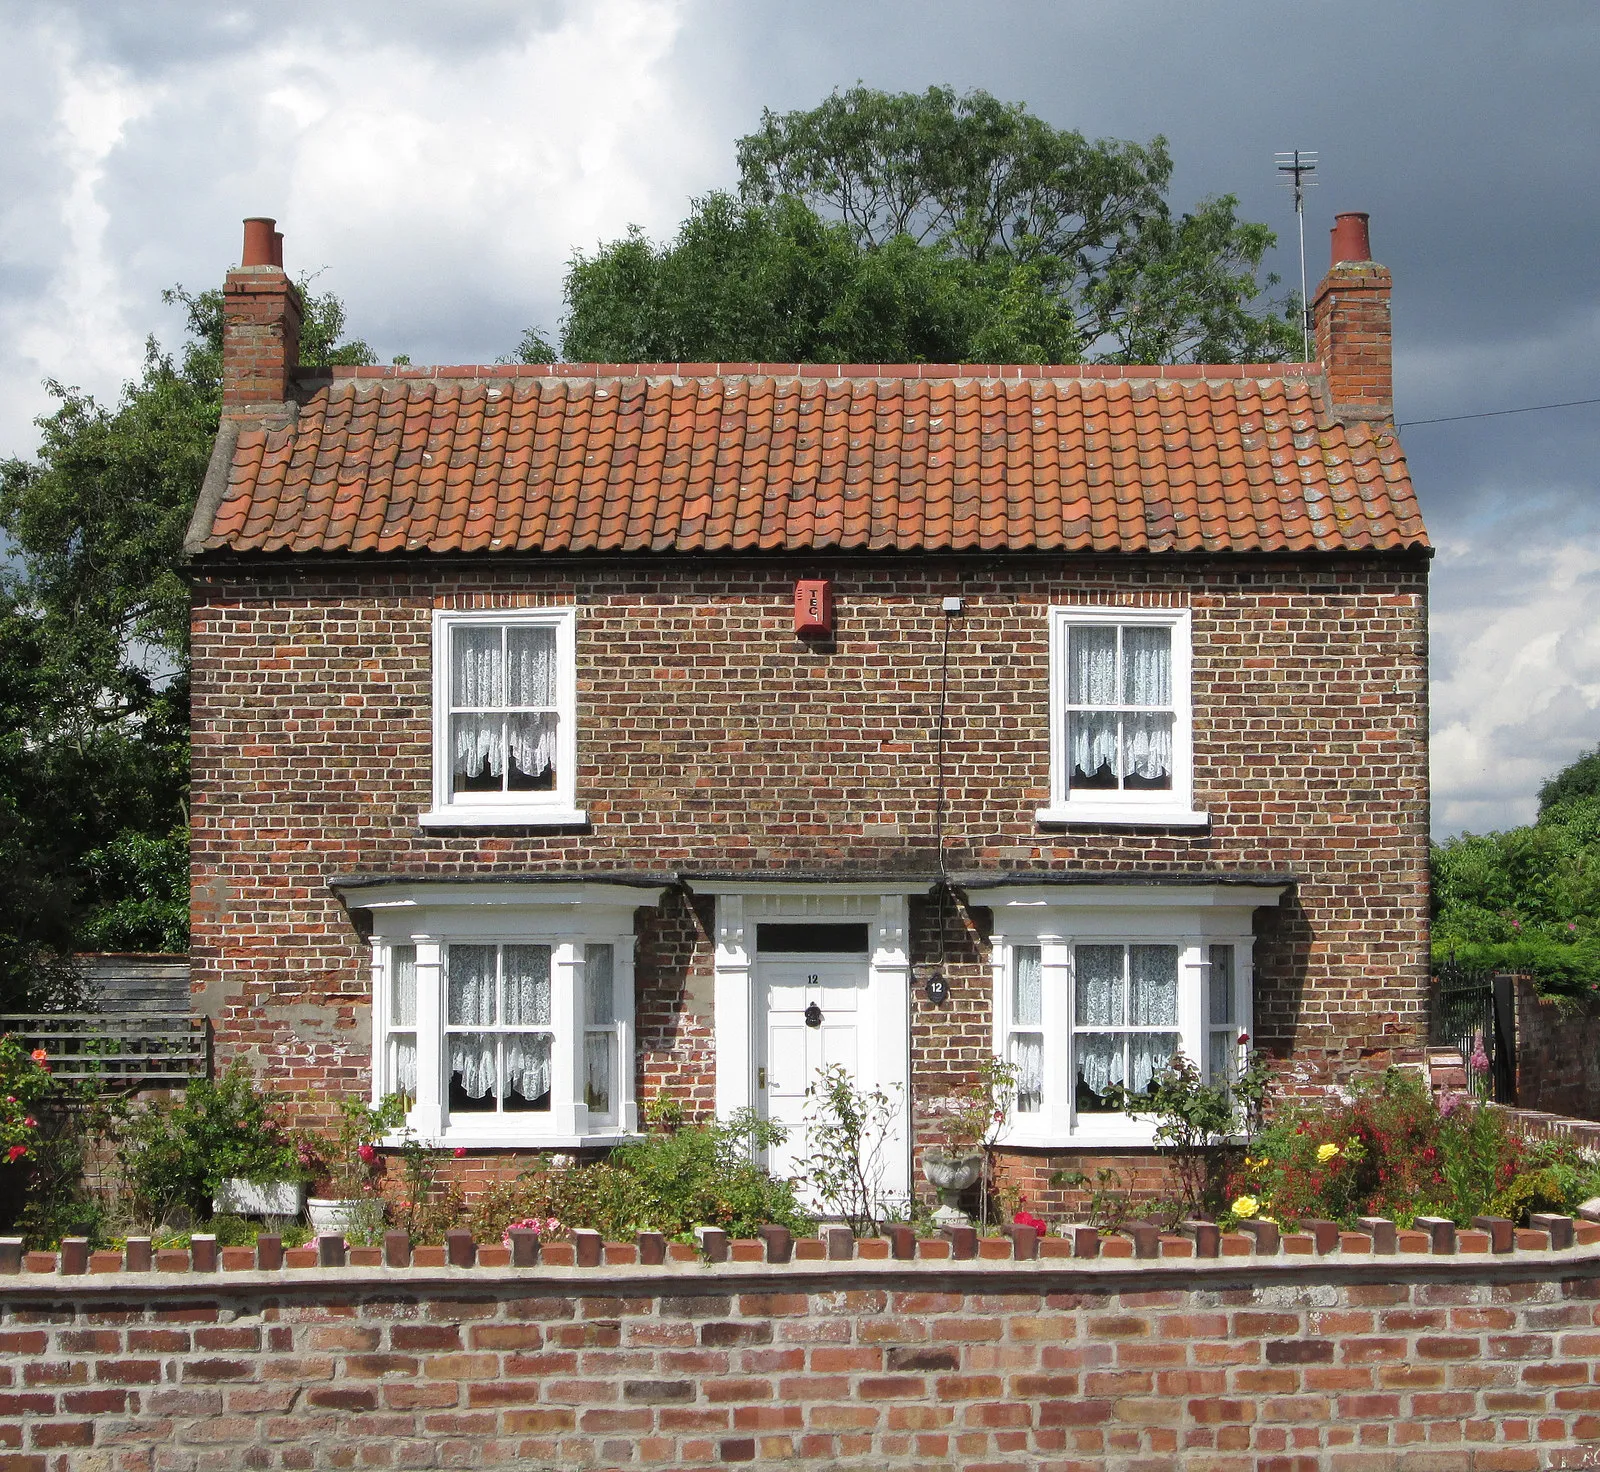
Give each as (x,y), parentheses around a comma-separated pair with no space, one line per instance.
(936,988)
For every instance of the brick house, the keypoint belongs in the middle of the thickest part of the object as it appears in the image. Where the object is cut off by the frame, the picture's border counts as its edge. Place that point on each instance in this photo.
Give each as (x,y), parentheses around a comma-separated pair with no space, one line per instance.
(566,738)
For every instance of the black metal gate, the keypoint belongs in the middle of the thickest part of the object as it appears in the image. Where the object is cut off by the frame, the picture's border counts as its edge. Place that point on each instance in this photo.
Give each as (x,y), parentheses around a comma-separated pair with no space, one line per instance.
(1473,1010)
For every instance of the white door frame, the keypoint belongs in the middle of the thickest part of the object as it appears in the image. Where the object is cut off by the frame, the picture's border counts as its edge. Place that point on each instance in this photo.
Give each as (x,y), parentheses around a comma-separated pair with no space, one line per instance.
(741,906)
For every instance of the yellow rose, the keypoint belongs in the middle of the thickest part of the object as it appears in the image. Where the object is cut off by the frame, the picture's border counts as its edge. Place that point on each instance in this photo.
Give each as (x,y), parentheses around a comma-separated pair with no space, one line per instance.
(1325,1153)
(1246,1206)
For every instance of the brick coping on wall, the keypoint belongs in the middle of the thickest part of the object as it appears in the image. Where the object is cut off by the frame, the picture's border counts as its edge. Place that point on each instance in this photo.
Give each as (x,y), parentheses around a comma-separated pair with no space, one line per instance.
(956,1255)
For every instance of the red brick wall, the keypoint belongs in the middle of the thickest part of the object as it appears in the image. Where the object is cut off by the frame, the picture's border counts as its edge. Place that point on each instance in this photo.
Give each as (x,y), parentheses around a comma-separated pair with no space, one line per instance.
(711,738)
(1292,1364)
(1558,1054)
(1351,320)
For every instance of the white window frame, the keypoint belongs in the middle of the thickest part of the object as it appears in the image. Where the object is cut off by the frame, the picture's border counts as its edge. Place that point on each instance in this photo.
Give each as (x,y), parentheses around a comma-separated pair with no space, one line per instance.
(568,918)
(1057,919)
(1173,808)
(558,807)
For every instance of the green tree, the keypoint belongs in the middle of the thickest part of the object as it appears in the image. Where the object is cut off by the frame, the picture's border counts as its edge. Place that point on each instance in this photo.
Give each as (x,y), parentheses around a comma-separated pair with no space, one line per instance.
(94,618)
(1528,899)
(893,227)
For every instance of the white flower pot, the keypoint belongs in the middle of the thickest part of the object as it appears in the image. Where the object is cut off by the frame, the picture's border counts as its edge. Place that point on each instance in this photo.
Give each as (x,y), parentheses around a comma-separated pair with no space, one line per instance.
(329,1215)
(260,1198)
(950,1175)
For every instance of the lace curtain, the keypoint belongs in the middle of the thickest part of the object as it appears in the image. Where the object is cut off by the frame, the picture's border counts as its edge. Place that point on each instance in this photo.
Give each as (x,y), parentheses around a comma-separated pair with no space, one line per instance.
(403,1014)
(1027,1003)
(1153,986)
(599,1008)
(1151,1000)
(1027,1010)
(1097,975)
(1144,749)
(471,1001)
(493,667)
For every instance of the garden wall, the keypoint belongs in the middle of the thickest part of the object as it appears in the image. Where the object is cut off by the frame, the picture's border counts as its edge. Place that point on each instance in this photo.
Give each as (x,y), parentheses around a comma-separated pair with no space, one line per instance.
(1558,1054)
(1279,1361)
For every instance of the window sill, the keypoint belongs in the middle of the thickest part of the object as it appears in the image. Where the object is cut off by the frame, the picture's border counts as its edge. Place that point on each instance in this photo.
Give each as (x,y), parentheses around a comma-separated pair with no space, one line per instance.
(1078,1144)
(1116,815)
(506,817)
(465,1139)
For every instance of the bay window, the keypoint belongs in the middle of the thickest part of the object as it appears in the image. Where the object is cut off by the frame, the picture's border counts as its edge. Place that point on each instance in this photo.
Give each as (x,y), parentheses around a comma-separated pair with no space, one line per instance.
(504,1012)
(1098,985)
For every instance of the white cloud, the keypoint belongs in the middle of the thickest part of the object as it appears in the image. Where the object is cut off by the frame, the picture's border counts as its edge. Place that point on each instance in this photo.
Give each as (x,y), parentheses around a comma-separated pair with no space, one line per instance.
(73,324)
(1516,681)
(442,185)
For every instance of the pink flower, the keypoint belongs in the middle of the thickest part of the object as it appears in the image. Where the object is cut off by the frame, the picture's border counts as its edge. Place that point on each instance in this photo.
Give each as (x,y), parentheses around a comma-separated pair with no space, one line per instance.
(368,1154)
(16,1152)
(459,1151)
(1479,1061)
(39,1056)
(31,1122)
(1571,925)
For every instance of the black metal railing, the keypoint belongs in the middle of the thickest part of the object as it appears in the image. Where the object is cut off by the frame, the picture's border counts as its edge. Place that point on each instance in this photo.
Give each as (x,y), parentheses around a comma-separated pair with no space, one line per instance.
(1474,1011)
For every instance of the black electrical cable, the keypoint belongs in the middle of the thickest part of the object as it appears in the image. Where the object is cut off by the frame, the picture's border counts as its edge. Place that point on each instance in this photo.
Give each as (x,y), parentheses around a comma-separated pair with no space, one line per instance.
(938,798)
(1496,413)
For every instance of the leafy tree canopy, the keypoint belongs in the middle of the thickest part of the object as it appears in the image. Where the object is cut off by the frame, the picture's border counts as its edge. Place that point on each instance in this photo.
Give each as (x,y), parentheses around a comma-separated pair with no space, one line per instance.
(938,227)
(1528,899)
(94,620)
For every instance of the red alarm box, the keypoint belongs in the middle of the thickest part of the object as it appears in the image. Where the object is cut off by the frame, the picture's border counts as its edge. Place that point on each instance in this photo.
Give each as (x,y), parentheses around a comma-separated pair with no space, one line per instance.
(813,607)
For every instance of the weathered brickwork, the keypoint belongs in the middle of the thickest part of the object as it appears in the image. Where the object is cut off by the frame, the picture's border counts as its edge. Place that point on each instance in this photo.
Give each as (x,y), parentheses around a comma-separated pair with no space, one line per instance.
(1558,1054)
(1287,1366)
(711,739)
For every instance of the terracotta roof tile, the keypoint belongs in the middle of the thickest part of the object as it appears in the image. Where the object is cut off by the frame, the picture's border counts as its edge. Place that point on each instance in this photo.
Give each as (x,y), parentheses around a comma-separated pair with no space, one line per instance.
(681,457)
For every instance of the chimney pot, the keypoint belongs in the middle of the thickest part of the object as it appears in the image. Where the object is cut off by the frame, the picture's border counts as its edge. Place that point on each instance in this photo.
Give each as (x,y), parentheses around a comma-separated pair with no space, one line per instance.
(258,241)
(261,313)
(1350,239)
(1350,319)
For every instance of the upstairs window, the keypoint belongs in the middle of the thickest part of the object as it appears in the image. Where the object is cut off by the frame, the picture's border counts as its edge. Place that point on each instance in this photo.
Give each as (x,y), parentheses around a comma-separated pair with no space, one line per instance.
(504,713)
(1121,735)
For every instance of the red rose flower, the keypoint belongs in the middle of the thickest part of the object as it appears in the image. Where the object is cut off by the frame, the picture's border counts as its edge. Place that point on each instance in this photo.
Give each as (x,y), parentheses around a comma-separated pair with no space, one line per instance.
(15,1153)
(460,1150)
(1028,1219)
(368,1154)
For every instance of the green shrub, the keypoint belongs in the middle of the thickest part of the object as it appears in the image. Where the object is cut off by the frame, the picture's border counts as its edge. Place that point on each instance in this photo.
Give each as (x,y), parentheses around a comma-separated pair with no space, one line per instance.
(1390,1150)
(672,1182)
(177,1156)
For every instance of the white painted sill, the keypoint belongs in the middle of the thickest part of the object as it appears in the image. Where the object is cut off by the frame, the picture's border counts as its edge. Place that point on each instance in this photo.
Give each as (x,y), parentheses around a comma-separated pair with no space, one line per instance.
(507,817)
(1113,815)
(470,1140)
(1123,1136)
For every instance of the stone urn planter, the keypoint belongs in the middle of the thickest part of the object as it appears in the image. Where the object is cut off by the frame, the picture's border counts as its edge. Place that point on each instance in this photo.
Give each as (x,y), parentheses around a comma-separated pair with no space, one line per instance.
(260,1198)
(950,1173)
(329,1214)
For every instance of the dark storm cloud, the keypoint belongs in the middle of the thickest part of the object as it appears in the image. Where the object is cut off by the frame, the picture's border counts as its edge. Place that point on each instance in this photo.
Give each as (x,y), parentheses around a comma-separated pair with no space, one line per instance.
(443,161)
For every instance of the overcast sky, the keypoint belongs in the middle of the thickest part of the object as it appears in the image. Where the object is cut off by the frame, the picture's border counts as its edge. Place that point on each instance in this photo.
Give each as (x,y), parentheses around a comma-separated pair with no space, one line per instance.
(438,162)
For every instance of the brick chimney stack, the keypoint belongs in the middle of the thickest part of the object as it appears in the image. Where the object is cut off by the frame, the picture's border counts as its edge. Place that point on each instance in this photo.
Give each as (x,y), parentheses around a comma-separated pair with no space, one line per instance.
(261,312)
(1350,317)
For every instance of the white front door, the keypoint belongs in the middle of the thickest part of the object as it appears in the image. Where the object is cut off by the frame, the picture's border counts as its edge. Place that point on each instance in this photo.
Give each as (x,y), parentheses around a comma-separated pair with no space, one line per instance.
(799,1046)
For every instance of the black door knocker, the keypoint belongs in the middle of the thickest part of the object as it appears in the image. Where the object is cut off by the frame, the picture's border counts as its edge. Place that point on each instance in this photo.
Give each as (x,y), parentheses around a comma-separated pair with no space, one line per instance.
(813,1015)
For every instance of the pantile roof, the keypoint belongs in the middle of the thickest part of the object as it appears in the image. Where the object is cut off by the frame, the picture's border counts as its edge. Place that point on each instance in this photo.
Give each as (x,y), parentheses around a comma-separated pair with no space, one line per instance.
(756,457)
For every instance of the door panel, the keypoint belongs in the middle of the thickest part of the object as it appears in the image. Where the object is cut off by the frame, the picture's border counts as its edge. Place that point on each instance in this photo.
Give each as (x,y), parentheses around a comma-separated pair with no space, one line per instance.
(795,1053)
